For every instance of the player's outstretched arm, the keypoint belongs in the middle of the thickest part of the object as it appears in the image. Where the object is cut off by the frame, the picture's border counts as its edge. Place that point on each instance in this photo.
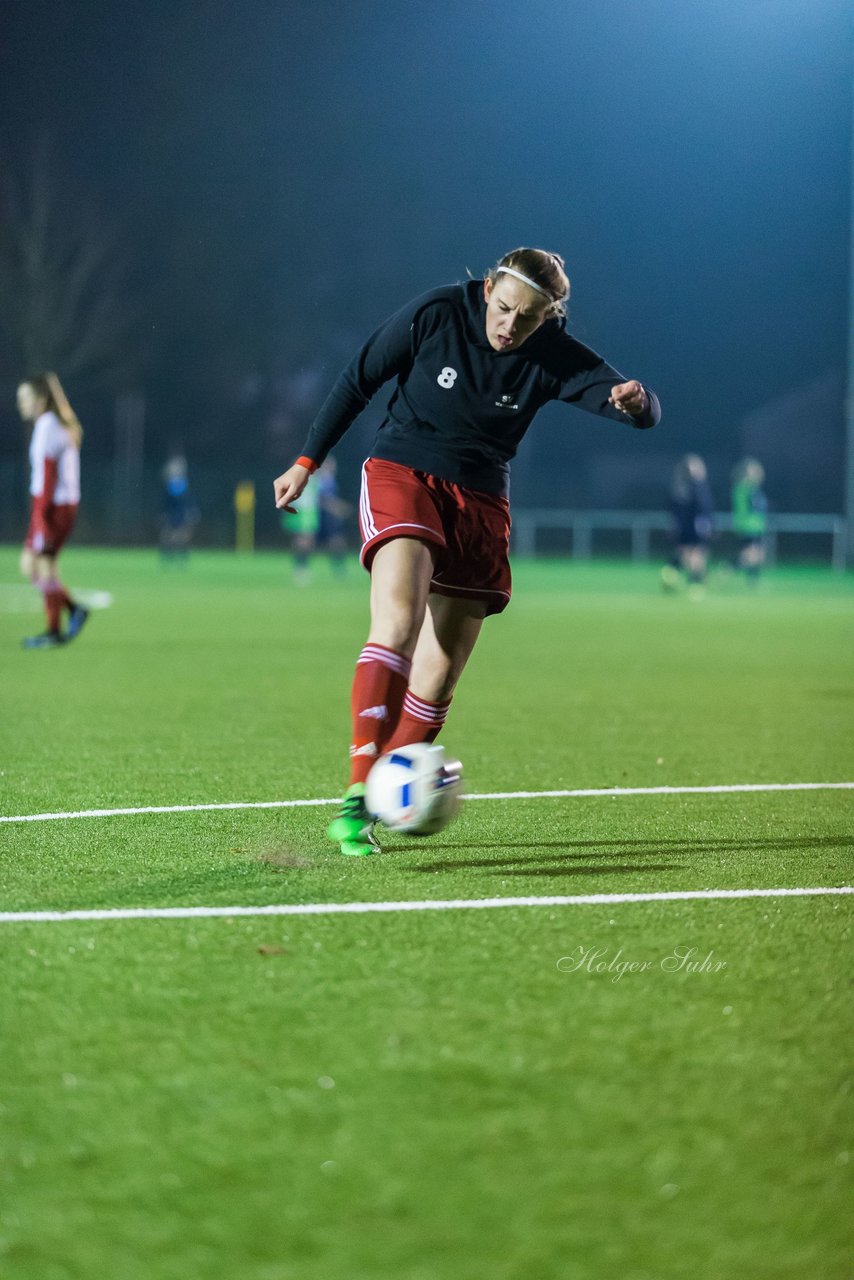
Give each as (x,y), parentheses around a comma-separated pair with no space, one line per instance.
(288,486)
(59,395)
(66,413)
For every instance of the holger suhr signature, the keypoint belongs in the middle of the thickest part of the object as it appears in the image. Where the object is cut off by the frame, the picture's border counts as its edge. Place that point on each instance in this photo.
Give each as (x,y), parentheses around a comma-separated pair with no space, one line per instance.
(598,960)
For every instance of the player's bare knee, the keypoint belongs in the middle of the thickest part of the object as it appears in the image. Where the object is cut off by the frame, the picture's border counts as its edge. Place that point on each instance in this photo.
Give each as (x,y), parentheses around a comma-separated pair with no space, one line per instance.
(396,628)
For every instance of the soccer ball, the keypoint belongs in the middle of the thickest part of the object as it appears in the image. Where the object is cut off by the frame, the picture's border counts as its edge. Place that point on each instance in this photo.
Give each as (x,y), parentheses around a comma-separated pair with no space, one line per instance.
(414,790)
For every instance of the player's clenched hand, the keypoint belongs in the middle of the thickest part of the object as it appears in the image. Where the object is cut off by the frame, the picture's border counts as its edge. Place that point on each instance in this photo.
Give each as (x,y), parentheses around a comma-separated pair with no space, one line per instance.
(629,397)
(288,486)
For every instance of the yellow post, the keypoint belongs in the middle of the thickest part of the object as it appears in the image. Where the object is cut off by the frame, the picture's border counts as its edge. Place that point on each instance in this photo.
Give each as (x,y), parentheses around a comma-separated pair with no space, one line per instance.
(244,506)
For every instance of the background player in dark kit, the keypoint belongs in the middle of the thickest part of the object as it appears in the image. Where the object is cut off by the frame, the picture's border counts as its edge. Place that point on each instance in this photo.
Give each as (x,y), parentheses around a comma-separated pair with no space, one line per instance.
(692,509)
(473,362)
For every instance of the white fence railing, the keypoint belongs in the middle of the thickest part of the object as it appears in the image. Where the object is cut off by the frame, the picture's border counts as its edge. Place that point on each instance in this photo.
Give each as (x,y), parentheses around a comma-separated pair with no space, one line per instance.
(640,525)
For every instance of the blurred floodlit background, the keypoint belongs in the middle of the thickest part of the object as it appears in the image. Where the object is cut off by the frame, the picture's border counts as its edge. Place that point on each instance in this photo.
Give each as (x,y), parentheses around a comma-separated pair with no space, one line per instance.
(206,208)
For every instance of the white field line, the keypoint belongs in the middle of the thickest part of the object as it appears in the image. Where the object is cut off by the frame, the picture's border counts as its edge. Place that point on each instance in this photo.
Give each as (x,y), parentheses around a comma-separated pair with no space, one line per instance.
(486,795)
(363,908)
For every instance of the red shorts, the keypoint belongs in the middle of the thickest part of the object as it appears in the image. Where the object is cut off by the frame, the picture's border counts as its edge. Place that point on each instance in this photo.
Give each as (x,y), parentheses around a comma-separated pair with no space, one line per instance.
(45,537)
(471,530)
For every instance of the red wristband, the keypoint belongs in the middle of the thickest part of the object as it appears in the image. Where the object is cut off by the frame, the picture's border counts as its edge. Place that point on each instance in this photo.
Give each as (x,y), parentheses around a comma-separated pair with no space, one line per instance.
(307,463)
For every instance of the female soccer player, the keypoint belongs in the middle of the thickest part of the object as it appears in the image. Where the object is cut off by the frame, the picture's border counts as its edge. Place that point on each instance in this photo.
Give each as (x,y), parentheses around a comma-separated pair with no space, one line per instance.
(55,497)
(473,362)
(693,522)
(749,517)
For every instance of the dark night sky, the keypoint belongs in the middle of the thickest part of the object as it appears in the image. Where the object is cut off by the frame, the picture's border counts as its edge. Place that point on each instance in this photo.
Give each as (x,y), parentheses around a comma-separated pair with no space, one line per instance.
(286,170)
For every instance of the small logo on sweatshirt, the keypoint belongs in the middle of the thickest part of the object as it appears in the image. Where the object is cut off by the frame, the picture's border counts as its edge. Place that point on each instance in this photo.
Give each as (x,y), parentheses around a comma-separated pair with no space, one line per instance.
(506,402)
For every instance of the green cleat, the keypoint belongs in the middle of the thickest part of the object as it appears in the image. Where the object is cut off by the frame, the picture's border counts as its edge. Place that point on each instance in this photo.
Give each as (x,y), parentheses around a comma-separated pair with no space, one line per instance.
(352,826)
(361,848)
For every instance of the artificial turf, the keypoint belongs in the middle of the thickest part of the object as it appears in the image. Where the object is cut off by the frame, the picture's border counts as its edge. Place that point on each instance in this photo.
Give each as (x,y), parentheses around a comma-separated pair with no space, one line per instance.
(435,1095)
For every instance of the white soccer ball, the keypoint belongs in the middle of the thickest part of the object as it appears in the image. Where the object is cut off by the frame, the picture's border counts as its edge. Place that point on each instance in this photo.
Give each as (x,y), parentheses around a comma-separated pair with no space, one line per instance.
(415,789)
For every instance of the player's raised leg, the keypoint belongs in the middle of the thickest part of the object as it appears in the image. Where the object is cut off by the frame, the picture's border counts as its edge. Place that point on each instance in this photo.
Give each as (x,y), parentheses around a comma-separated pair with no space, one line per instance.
(448,635)
(400,581)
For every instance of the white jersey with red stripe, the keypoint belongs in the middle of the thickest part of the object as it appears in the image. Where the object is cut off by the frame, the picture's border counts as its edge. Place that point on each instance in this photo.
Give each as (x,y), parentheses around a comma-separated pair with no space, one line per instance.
(51,439)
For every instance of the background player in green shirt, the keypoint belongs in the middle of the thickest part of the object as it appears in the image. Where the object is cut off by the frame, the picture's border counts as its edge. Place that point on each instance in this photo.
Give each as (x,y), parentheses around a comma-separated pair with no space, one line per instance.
(749,516)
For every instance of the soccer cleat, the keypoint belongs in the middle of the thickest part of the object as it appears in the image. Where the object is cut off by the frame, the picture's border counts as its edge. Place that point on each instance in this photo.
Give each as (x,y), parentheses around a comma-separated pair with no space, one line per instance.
(361,848)
(352,826)
(76,621)
(47,640)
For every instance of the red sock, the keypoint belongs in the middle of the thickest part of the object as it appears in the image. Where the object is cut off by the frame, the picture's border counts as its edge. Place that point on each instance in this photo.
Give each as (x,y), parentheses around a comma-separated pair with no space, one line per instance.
(378,688)
(420,721)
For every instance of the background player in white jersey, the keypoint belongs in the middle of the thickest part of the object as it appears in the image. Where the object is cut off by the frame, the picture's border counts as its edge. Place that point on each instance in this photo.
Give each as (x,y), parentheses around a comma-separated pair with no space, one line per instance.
(55,497)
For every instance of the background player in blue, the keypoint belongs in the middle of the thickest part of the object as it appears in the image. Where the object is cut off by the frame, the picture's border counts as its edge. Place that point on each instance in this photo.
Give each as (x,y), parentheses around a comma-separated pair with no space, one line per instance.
(692,509)
(178,513)
(473,363)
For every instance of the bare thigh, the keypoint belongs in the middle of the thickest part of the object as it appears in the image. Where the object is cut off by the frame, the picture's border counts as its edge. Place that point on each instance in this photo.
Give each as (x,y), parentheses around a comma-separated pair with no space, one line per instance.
(400,583)
(448,635)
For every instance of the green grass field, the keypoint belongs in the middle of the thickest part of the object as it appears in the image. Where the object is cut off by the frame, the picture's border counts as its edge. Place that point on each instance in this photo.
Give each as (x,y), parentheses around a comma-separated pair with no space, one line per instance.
(427,1094)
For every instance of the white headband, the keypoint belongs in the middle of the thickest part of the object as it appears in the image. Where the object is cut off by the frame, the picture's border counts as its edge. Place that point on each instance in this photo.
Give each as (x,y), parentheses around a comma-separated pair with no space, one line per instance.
(510,271)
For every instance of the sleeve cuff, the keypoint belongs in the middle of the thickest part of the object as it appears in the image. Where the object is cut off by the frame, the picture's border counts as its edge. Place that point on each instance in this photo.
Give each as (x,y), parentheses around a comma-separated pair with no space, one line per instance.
(302,461)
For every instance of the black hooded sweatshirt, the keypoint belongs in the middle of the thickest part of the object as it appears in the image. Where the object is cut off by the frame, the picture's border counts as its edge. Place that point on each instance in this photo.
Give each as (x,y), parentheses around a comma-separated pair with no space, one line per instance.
(460,408)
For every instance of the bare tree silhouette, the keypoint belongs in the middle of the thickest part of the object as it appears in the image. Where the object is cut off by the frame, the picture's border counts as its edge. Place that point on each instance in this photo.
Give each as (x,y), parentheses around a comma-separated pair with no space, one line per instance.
(64,295)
